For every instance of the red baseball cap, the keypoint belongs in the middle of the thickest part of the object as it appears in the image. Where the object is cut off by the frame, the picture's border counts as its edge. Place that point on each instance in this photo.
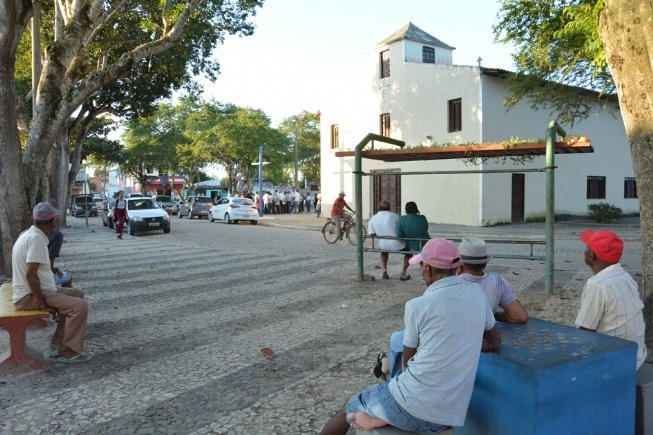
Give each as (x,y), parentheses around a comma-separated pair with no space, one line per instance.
(440,253)
(605,244)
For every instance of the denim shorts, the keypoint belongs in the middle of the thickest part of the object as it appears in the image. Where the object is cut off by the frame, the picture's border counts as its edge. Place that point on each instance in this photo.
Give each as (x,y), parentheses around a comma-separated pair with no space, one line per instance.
(377,401)
(63,280)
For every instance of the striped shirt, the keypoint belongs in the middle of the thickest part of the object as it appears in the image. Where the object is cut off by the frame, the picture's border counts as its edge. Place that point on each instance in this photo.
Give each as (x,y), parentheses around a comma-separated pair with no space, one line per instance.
(610,304)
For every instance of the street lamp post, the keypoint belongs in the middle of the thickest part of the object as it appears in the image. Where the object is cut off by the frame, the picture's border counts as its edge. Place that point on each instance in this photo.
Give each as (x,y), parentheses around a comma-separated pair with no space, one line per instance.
(260,164)
(296,153)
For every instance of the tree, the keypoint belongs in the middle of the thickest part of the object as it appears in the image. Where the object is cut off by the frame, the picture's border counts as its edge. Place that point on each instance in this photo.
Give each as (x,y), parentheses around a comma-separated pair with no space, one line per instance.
(600,45)
(90,52)
(308,140)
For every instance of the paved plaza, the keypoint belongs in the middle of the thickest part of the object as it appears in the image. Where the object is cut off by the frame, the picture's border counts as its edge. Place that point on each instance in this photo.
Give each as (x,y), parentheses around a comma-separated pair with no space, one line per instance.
(177,322)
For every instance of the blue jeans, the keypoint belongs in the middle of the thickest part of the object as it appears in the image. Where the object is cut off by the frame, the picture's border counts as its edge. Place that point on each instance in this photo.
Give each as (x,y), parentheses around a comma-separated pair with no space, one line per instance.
(376,401)
(396,353)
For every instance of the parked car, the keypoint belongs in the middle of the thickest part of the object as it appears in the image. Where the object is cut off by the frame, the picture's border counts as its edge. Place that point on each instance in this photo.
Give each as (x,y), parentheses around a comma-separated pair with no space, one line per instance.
(195,206)
(107,213)
(166,203)
(234,210)
(145,214)
(98,203)
(83,205)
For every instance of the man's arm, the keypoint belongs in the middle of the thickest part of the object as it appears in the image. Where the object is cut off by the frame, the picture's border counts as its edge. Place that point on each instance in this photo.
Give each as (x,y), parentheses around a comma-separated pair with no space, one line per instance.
(55,269)
(491,340)
(514,312)
(35,287)
(409,352)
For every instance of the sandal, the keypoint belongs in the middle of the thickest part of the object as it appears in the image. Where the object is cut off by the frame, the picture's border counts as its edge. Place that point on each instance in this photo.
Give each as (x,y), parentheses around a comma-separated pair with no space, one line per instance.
(404,278)
(54,353)
(385,275)
(378,365)
(79,358)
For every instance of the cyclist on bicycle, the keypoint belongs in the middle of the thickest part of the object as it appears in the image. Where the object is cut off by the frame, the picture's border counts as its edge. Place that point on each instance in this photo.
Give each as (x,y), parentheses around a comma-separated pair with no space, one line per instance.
(339,206)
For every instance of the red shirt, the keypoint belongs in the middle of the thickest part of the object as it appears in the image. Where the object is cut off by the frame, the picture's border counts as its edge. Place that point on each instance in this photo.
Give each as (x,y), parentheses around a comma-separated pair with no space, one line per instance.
(338,205)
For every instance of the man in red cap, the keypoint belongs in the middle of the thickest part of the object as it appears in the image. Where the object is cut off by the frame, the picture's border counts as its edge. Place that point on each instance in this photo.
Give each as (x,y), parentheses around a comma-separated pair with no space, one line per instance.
(446,330)
(610,303)
(34,288)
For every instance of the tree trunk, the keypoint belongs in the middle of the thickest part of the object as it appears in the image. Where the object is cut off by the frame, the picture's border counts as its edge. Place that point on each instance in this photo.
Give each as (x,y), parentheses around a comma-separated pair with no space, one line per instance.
(58,175)
(14,15)
(626,29)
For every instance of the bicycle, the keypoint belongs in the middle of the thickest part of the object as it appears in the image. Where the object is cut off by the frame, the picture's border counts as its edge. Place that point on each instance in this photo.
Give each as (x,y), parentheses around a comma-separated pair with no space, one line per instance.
(347,227)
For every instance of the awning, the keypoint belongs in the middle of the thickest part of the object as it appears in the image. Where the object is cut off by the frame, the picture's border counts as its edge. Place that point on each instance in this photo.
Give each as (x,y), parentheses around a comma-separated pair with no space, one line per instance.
(466,152)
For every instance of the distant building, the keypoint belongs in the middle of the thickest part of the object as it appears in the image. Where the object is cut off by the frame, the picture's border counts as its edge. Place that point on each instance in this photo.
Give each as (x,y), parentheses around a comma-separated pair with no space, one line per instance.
(413,92)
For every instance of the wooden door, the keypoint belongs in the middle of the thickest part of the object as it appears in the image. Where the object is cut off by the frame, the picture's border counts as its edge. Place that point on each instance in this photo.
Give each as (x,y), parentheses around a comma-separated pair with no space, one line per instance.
(387,188)
(517,203)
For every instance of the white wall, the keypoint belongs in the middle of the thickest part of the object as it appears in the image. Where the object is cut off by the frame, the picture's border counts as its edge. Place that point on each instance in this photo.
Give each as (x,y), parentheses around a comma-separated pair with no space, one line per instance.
(610,159)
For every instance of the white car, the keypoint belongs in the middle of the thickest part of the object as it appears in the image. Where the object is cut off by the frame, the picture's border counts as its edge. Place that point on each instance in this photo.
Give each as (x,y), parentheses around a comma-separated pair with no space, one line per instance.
(234,210)
(145,214)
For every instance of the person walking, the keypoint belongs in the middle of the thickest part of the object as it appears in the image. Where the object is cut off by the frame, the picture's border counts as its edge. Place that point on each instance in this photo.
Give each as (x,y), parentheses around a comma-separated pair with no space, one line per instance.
(120,213)
(415,226)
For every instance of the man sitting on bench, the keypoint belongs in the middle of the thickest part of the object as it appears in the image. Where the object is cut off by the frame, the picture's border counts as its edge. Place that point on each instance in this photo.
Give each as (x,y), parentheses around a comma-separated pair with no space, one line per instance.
(473,254)
(61,277)
(446,329)
(34,288)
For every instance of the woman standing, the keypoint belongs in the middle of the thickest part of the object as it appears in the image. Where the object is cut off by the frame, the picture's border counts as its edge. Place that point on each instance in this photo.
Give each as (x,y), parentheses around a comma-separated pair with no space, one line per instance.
(318,204)
(120,213)
(413,226)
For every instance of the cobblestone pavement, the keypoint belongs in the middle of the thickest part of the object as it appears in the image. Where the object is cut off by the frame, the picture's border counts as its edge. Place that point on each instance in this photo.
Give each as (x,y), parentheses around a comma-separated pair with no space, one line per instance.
(177,323)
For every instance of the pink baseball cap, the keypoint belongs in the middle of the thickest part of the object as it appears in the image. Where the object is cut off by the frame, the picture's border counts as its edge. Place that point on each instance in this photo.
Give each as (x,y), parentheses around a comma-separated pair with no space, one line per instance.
(605,244)
(44,211)
(440,253)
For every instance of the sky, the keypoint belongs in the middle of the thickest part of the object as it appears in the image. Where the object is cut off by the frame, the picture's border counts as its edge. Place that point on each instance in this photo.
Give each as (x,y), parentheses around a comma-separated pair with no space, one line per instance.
(304,51)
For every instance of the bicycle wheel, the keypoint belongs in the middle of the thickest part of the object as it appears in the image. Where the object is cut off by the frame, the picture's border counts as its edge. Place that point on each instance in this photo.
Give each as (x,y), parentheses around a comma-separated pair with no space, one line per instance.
(329,232)
(351,233)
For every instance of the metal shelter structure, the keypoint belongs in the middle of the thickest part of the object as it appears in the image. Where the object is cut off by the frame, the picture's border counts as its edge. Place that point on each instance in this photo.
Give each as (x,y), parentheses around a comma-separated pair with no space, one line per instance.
(548,149)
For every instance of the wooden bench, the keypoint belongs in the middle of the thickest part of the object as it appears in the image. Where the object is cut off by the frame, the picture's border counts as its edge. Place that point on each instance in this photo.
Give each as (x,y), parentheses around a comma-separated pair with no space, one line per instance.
(15,322)
(389,430)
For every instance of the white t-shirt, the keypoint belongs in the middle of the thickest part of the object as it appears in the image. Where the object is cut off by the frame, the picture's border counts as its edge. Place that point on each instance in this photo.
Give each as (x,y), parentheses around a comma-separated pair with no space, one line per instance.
(446,326)
(498,291)
(384,223)
(297,196)
(31,247)
(610,304)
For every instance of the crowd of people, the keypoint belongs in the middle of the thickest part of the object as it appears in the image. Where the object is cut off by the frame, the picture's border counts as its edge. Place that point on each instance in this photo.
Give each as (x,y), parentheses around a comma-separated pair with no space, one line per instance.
(287,201)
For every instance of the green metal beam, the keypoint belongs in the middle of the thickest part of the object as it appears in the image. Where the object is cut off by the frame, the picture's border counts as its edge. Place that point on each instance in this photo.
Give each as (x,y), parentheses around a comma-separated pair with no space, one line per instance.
(482,171)
(549,284)
(358,192)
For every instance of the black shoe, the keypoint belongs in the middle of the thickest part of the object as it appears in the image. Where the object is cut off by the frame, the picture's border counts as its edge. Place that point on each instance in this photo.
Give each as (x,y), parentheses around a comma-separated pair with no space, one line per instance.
(119,236)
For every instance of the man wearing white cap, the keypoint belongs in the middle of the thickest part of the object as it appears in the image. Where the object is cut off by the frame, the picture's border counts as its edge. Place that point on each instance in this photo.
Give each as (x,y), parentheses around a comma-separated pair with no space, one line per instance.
(473,253)
(446,329)
(339,206)
(34,288)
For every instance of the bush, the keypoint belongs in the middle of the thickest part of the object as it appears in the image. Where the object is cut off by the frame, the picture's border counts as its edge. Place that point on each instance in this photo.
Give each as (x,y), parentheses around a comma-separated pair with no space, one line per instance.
(602,212)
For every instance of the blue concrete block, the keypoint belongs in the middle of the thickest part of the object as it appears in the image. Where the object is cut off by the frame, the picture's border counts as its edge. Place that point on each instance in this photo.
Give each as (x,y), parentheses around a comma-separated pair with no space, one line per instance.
(554,379)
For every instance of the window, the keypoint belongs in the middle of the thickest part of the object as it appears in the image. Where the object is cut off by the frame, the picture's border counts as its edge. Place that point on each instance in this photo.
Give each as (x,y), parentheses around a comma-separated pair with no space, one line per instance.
(385,63)
(428,55)
(385,124)
(630,187)
(455,115)
(595,187)
(334,136)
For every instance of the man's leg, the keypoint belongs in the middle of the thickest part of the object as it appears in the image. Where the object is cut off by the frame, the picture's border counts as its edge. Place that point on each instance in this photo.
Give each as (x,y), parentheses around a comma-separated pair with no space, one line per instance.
(396,353)
(338,424)
(384,264)
(73,312)
(336,219)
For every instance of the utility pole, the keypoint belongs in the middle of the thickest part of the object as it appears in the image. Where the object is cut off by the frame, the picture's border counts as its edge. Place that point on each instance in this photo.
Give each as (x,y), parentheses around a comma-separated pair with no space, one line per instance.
(296,153)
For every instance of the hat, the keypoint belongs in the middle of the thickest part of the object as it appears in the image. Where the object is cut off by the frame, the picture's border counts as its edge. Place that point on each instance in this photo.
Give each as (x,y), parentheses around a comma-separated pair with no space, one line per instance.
(473,251)
(342,192)
(44,211)
(440,253)
(605,244)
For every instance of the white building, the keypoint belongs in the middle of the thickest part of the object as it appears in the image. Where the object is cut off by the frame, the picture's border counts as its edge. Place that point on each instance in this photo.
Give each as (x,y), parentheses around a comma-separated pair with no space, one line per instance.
(413,92)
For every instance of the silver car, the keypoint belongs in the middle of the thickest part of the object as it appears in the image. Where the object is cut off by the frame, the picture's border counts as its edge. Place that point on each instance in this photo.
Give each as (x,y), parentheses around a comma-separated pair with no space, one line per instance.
(166,203)
(195,206)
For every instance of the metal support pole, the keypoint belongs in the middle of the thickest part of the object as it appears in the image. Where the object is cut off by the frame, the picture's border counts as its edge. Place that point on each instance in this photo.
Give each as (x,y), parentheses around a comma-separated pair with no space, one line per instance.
(549,284)
(358,192)
(260,181)
(296,154)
